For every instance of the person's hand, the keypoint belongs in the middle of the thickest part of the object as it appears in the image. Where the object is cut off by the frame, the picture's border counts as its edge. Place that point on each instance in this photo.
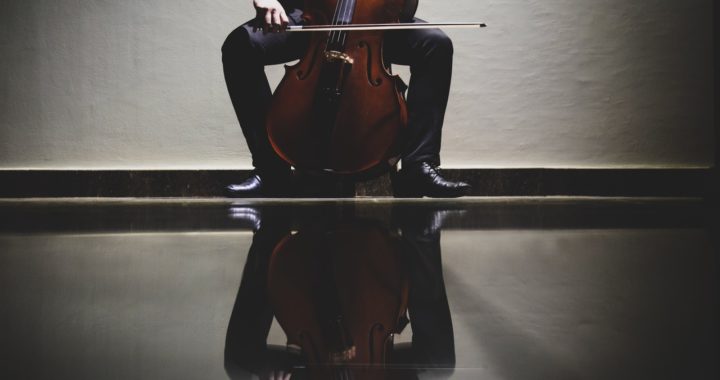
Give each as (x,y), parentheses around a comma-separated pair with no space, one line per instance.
(271,15)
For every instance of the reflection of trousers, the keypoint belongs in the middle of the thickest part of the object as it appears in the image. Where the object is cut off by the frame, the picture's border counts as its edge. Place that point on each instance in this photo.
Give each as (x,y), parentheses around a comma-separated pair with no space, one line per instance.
(428,52)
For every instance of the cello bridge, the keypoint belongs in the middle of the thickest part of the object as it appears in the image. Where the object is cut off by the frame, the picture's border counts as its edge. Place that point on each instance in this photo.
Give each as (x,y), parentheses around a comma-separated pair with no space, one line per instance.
(335,56)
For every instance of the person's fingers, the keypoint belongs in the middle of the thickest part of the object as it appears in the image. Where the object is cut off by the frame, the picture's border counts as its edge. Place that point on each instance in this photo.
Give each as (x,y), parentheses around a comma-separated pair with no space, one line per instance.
(268,21)
(284,19)
(277,22)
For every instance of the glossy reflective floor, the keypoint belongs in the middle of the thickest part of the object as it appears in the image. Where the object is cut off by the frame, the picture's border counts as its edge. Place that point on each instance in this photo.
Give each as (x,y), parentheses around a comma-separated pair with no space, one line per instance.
(504,288)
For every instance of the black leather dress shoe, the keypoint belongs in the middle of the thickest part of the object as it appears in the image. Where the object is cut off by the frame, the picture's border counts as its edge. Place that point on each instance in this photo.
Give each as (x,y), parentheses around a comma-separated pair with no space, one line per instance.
(424,179)
(261,185)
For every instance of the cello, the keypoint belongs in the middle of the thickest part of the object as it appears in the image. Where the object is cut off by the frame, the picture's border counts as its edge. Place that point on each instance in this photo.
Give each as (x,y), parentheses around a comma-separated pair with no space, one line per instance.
(340,109)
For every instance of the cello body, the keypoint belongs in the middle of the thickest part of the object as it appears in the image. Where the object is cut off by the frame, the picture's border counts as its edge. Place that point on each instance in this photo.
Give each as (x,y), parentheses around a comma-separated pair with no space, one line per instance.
(339,109)
(340,296)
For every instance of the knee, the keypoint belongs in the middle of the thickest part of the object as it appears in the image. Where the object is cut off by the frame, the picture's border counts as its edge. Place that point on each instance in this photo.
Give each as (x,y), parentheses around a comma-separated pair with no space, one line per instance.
(437,43)
(237,44)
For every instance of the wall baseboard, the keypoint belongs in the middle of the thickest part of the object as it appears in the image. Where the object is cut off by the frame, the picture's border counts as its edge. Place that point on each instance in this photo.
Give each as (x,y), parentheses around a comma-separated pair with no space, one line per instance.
(486,182)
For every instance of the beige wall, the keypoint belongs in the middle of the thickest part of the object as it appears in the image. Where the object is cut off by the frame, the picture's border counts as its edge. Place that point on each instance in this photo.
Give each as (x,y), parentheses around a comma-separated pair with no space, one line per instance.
(551,83)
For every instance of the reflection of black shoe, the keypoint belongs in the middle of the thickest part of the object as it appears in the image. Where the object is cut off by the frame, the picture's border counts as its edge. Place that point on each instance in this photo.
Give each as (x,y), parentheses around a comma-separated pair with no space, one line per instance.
(424,179)
(262,185)
(246,214)
(423,221)
(437,219)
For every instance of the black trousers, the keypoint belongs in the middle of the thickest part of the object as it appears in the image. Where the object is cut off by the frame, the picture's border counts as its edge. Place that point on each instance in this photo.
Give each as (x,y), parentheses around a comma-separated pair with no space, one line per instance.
(428,52)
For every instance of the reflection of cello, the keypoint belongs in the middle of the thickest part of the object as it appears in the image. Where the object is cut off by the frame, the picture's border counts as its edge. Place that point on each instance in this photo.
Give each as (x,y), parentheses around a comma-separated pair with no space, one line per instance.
(340,109)
(340,296)
(371,263)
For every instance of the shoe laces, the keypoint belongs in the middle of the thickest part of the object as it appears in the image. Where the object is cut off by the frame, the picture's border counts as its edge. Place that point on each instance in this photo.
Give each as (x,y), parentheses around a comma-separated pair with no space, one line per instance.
(433,170)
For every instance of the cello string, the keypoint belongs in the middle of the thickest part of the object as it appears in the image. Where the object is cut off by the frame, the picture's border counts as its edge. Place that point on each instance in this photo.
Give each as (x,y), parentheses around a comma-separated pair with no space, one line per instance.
(333,34)
(347,19)
(351,16)
(340,20)
(333,37)
(338,35)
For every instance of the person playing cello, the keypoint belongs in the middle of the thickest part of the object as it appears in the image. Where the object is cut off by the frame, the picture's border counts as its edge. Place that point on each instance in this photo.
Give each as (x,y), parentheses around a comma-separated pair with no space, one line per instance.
(253,45)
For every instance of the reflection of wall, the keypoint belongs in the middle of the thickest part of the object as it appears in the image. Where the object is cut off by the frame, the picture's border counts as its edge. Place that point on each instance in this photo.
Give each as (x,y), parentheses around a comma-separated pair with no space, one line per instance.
(591,304)
(560,83)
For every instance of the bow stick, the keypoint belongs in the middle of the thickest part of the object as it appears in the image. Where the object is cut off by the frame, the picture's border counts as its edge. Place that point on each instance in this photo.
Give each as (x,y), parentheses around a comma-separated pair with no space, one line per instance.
(398,26)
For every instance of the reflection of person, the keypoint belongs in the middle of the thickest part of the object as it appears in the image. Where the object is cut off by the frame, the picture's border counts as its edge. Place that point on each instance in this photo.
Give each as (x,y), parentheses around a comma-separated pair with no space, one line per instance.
(432,340)
(428,52)
(247,351)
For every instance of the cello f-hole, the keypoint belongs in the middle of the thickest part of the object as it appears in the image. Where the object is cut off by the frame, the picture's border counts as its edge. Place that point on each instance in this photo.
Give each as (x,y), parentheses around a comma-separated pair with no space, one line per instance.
(373,81)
